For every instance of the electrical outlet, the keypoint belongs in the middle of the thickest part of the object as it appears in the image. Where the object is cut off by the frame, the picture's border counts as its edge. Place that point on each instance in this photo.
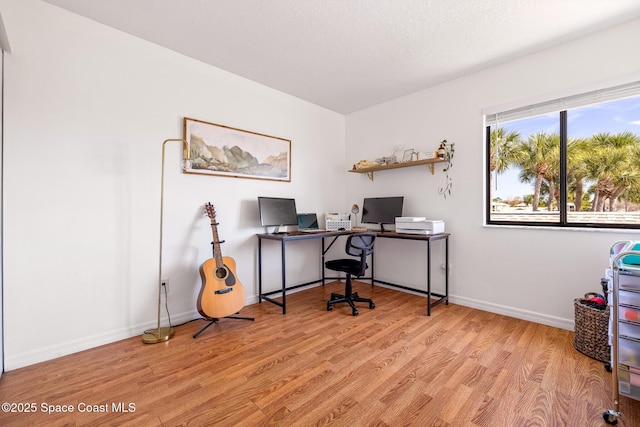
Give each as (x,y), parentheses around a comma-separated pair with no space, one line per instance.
(442,267)
(165,285)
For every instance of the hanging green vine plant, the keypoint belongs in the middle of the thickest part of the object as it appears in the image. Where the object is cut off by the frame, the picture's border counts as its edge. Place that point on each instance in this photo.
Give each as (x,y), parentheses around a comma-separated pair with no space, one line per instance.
(446,152)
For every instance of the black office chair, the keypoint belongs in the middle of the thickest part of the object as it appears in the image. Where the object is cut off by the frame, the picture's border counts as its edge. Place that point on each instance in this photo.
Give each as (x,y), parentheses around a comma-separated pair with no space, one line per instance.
(358,245)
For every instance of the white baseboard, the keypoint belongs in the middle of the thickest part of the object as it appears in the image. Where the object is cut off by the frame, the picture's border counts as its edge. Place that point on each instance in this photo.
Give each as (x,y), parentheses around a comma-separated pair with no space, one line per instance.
(531,316)
(69,347)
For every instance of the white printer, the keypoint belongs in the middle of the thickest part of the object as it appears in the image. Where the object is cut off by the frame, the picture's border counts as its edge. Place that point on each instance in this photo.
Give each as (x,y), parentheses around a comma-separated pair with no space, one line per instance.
(418,225)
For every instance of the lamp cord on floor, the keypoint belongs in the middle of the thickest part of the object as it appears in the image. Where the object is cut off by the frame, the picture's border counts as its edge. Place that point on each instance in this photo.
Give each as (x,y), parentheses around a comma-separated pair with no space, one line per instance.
(166,306)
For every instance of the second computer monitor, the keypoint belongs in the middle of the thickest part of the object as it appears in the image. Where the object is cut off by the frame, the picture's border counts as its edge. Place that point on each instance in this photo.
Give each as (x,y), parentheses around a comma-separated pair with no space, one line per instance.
(382,210)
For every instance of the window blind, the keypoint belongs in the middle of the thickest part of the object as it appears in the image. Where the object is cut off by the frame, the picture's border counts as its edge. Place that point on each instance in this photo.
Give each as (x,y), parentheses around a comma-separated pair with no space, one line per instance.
(580,100)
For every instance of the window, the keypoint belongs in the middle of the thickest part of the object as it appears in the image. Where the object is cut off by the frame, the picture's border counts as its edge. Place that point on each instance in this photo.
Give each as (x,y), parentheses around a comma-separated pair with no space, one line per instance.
(569,162)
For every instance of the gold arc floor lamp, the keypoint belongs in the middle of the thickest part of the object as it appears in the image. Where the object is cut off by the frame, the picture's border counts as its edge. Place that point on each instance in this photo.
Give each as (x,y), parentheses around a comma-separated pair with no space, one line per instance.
(153,336)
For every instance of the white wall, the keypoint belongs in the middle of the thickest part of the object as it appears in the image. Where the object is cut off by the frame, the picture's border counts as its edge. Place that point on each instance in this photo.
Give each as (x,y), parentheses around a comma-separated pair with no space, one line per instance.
(87,109)
(529,273)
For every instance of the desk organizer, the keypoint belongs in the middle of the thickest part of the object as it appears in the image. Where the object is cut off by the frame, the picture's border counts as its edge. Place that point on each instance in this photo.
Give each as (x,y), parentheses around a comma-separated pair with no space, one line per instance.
(338,225)
(337,221)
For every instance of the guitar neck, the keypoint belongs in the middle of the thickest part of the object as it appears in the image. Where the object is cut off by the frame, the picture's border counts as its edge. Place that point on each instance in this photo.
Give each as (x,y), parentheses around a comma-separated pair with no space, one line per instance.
(216,243)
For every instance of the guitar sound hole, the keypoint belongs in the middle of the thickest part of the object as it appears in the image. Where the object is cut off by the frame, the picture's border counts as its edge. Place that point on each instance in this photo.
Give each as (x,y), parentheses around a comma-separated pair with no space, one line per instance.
(221,273)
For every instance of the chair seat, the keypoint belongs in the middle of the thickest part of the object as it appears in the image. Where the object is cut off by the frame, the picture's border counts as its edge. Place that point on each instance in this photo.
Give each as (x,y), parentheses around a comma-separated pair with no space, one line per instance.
(350,266)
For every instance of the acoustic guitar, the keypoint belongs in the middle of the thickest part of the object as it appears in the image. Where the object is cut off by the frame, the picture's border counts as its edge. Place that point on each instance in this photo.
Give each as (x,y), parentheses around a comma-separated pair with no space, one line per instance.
(222,293)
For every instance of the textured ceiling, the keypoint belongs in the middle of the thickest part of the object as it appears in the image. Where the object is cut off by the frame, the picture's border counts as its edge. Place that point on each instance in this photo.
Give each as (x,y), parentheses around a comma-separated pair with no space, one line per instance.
(347,55)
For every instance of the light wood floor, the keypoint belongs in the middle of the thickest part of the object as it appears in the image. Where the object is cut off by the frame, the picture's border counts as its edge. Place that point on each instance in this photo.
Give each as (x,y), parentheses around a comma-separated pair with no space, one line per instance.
(391,366)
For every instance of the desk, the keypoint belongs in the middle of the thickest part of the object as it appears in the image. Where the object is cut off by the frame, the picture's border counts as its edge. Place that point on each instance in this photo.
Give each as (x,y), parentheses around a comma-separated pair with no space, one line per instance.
(283,238)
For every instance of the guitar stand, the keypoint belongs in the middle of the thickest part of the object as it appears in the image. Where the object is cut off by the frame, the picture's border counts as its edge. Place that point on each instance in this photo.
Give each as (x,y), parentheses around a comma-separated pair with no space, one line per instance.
(215,319)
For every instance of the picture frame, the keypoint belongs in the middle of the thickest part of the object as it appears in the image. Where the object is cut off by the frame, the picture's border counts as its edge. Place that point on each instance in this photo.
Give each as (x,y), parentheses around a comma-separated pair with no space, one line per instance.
(408,155)
(216,149)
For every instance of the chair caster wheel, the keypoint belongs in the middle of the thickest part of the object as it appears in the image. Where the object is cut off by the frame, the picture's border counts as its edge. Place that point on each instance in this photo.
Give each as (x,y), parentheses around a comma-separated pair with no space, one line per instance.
(609,418)
(356,312)
(329,308)
(372,305)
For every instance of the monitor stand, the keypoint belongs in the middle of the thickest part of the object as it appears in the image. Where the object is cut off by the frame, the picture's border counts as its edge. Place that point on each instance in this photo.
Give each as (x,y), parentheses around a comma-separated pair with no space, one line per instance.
(277,230)
(382,227)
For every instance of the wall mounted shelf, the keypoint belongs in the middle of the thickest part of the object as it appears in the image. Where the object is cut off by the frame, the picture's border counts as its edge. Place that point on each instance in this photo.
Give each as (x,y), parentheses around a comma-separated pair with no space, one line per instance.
(370,170)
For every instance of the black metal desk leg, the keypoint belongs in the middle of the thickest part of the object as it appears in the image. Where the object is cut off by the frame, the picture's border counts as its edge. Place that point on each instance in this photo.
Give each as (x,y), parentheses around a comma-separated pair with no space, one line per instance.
(284,279)
(429,277)
(446,270)
(259,270)
(373,266)
(322,261)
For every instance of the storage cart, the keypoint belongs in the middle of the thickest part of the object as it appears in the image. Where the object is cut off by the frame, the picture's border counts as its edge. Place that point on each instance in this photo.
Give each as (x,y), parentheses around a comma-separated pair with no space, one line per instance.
(624,325)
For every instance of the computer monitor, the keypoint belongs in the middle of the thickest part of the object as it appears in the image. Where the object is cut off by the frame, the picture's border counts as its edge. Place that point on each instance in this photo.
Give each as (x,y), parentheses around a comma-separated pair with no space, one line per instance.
(381,210)
(277,212)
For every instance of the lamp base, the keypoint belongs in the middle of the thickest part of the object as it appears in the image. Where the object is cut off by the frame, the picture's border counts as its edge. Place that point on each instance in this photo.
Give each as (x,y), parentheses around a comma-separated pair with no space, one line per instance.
(157,335)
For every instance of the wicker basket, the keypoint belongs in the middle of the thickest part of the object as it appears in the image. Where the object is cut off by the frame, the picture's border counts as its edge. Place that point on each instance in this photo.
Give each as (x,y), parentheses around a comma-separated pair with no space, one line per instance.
(591,331)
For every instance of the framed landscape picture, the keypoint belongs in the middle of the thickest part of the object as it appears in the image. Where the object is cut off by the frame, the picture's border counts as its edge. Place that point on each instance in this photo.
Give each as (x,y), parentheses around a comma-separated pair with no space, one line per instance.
(222,150)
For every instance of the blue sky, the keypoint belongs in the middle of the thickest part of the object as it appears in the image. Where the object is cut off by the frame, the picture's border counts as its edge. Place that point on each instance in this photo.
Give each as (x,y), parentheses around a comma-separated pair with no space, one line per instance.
(613,117)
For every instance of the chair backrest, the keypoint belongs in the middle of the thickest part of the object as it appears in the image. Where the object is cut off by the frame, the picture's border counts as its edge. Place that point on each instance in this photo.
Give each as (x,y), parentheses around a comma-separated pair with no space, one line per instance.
(360,245)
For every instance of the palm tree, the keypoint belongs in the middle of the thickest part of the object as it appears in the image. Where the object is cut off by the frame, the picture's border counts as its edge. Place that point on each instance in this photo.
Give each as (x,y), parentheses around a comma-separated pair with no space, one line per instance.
(578,149)
(632,194)
(501,152)
(614,166)
(629,177)
(539,160)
